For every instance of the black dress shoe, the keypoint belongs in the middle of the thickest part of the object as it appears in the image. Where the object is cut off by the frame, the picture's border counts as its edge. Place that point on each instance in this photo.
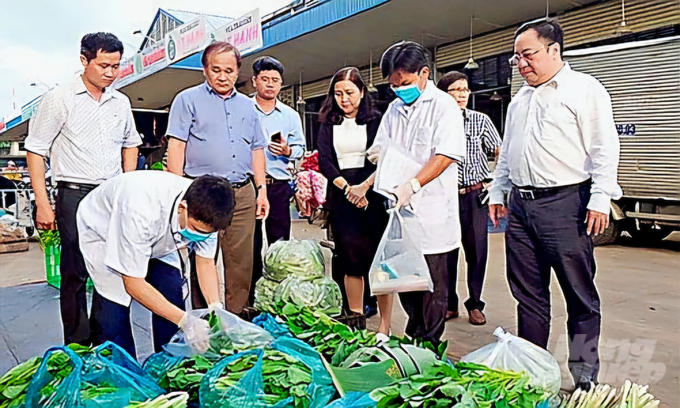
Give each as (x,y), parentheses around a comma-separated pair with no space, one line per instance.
(370,311)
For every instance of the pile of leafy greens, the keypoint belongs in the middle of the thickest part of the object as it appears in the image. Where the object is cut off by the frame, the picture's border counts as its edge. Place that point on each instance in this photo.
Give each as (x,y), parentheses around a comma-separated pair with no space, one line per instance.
(318,293)
(294,257)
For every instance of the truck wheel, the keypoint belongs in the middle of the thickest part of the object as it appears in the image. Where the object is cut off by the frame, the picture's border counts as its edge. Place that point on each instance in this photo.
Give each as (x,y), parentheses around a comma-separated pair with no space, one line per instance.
(610,234)
(649,235)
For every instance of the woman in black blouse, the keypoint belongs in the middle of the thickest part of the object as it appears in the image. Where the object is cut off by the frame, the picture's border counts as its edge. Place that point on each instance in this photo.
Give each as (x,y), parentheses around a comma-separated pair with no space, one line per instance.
(349,123)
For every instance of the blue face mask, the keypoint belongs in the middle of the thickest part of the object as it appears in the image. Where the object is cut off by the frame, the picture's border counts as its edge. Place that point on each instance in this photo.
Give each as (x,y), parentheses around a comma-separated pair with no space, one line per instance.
(193,236)
(408,93)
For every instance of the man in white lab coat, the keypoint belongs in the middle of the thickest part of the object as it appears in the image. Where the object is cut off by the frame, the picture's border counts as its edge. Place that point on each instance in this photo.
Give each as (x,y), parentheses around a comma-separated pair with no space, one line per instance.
(427,123)
(131,229)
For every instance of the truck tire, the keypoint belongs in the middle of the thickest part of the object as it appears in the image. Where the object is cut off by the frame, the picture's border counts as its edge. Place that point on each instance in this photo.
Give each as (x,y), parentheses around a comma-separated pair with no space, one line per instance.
(610,234)
(648,235)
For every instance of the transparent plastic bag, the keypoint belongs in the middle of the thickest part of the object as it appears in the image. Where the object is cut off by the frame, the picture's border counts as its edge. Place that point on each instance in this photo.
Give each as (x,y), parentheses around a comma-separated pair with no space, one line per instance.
(513,353)
(295,257)
(249,390)
(398,266)
(107,377)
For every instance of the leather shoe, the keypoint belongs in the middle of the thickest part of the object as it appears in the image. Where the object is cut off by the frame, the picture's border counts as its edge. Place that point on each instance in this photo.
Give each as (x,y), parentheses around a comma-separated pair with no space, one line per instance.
(477,318)
(451,315)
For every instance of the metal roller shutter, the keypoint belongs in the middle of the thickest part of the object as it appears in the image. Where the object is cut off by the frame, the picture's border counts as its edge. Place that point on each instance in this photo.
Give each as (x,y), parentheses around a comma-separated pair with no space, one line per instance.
(580,26)
(316,88)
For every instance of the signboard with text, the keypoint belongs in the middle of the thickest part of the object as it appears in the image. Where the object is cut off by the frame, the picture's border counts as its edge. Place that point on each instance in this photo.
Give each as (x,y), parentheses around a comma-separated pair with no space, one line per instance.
(244,33)
(153,55)
(185,40)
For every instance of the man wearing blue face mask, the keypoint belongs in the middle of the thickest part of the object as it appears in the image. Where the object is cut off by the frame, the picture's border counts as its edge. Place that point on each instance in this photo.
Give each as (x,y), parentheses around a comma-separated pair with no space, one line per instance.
(427,124)
(131,230)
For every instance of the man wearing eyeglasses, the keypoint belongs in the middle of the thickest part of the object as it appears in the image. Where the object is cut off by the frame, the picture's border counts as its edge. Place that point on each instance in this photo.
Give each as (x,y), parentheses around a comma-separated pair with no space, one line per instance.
(481,140)
(558,163)
(286,143)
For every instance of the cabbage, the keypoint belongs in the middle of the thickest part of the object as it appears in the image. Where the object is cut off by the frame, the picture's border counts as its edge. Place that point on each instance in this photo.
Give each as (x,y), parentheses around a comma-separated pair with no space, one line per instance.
(294,257)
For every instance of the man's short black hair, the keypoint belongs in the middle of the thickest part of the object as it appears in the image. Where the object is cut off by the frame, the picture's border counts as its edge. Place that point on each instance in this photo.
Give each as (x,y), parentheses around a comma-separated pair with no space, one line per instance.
(267,64)
(95,42)
(448,79)
(407,56)
(210,200)
(547,29)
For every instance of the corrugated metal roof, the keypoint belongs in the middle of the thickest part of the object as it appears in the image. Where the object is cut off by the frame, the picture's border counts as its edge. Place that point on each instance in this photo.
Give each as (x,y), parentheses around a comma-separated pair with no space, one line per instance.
(213,22)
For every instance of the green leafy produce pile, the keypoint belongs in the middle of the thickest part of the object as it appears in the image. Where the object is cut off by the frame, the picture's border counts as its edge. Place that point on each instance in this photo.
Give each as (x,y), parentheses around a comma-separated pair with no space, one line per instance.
(603,396)
(465,385)
(14,383)
(294,257)
(319,293)
(171,400)
(48,238)
(283,375)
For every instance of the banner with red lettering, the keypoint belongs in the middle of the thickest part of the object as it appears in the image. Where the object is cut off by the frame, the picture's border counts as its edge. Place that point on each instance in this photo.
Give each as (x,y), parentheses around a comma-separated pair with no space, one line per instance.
(244,33)
(185,40)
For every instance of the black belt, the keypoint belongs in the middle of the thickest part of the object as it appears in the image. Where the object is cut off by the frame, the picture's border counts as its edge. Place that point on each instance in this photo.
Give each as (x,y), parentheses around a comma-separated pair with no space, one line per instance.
(240,184)
(272,180)
(76,186)
(534,193)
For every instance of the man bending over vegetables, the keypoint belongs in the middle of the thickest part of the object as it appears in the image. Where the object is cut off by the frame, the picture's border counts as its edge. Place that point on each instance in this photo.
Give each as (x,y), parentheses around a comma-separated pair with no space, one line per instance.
(131,230)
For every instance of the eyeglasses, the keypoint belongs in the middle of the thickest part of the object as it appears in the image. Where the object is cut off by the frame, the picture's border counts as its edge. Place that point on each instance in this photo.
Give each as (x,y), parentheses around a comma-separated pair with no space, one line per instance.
(275,81)
(527,55)
(458,91)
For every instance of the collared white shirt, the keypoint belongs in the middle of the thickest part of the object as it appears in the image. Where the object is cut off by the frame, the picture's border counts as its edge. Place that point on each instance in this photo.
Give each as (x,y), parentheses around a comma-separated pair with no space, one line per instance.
(432,125)
(84,138)
(560,133)
(127,221)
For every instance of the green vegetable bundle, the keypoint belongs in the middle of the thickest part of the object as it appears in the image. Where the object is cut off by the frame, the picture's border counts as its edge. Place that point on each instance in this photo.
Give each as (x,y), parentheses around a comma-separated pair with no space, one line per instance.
(603,396)
(283,377)
(294,257)
(467,385)
(14,383)
(171,400)
(333,340)
(264,296)
(48,238)
(318,293)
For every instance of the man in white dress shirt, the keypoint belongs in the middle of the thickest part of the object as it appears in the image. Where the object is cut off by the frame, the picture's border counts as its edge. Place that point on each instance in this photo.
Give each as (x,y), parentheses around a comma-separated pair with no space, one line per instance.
(87,130)
(427,123)
(131,229)
(558,163)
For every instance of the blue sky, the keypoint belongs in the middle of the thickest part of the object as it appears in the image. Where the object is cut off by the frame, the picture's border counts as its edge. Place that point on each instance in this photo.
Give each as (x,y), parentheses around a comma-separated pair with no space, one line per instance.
(39,39)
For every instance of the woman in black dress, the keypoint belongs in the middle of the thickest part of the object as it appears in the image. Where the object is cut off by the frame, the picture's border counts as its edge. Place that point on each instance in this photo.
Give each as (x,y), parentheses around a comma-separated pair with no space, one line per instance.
(349,123)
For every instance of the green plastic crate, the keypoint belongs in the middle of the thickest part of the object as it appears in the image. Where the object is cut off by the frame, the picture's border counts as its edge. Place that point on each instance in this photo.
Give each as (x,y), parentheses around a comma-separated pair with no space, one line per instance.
(52,262)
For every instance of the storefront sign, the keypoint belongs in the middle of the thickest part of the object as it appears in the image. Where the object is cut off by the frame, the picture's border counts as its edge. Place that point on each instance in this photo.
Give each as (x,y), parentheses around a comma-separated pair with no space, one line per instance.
(126,69)
(244,33)
(185,40)
(29,109)
(153,54)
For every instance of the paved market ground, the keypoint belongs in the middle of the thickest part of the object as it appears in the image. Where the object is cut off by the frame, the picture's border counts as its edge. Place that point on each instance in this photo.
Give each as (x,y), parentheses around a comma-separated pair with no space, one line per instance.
(640,290)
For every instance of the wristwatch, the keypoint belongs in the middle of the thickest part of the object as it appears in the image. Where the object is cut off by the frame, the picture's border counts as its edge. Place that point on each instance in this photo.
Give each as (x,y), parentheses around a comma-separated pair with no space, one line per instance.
(415,185)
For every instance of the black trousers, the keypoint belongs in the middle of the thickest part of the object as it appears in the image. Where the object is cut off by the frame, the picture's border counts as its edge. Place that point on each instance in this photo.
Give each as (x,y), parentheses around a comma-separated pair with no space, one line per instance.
(279,194)
(72,299)
(545,233)
(475,236)
(427,310)
(111,321)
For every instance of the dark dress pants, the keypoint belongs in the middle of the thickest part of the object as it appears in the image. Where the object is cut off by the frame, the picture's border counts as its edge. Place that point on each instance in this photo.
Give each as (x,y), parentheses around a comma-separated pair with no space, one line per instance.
(427,310)
(111,321)
(475,238)
(279,194)
(72,299)
(545,233)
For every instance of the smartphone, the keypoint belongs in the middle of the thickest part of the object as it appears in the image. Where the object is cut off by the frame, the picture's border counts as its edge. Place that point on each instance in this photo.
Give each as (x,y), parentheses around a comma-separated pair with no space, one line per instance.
(483,198)
(276,137)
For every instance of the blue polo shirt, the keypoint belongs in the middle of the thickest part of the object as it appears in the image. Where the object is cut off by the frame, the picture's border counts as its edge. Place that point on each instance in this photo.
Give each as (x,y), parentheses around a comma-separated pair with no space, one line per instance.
(220,133)
(286,120)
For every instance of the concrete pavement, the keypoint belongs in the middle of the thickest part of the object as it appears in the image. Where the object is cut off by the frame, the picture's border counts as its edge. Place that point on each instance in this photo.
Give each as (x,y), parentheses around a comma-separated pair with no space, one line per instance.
(639,287)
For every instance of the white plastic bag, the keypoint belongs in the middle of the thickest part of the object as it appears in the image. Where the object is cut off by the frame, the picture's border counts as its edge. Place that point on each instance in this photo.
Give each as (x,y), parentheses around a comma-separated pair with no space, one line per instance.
(513,353)
(398,266)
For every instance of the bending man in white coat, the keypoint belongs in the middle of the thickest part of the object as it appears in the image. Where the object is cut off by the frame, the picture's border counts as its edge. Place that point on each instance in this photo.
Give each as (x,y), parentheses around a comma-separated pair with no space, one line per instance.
(427,123)
(131,230)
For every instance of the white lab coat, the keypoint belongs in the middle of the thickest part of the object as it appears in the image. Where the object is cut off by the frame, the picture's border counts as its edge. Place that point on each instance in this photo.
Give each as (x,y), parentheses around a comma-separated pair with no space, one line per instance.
(127,221)
(432,125)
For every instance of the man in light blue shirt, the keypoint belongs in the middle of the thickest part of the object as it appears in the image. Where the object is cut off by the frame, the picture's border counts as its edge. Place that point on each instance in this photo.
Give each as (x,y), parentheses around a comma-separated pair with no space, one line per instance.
(286,143)
(215,130)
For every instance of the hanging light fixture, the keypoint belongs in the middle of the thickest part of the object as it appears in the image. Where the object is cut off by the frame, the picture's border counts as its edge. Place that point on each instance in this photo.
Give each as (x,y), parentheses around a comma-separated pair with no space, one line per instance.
(496,96)
(623,28)
(471,65)
(301,101)
(370,86)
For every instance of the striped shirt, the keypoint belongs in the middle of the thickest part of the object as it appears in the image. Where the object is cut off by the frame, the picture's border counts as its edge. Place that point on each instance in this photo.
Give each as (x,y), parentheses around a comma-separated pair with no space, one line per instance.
(84,138)
(482,140)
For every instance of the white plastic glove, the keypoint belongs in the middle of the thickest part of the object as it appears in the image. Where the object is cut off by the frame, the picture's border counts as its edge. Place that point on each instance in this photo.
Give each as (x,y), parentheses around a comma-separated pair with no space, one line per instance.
(196,332)
(215,305)
(404,193)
